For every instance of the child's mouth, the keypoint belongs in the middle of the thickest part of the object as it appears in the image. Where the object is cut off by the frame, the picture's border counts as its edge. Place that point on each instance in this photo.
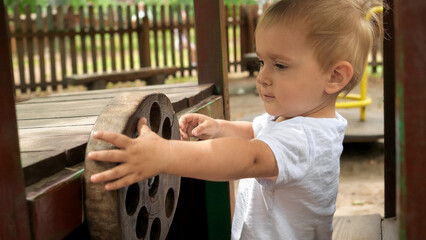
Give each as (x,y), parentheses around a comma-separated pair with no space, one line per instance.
(268,97)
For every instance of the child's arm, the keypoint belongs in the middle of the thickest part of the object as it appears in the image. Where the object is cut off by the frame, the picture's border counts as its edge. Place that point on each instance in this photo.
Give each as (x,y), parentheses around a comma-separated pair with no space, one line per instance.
(149,155)
(204,127)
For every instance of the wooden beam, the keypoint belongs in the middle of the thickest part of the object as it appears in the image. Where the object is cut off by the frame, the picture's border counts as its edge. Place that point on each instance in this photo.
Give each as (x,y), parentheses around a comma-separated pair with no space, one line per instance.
(14,220)
(212,62)
(410,62)
(389,108)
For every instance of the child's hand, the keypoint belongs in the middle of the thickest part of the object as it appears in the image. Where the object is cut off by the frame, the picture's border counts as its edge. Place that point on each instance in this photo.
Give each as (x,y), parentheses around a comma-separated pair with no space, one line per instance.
(140,158)
(197,125)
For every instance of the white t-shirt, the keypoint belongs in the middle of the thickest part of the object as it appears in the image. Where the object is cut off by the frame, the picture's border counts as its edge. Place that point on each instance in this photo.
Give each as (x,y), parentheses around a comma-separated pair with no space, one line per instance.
(301,203)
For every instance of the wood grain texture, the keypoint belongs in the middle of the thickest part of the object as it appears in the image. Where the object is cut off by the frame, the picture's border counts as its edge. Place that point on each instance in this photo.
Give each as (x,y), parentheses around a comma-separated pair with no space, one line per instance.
(364,227)
(54,130)
(55,204)
(389,229)
(145,73)
(144,209)
(14,220)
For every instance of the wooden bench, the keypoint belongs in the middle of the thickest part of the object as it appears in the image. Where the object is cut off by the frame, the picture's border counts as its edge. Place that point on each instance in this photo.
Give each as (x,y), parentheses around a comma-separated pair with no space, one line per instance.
(94,81)
(365,227)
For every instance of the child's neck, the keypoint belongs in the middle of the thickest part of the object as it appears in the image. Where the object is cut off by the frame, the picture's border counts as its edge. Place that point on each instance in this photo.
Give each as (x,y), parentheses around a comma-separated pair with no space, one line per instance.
(327,111)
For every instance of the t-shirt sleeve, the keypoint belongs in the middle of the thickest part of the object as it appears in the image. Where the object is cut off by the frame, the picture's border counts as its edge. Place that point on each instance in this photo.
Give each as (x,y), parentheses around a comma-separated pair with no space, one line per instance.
(290,147)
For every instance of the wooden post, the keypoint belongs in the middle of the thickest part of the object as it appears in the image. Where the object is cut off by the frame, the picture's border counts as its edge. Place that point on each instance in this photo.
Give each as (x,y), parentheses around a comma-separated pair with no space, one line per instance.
(146,50)
(212,62)
(212,66)
(389,108)
(251,26)
(243,34)
(14,221)
(411,86)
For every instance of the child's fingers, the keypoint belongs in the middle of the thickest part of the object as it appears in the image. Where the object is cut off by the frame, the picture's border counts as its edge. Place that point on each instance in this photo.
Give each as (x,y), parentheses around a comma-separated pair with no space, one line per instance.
(118,140)
(110,175)
(122,182)
(183,135)
(113,155)
(200,129)
(141,122)
(144,130)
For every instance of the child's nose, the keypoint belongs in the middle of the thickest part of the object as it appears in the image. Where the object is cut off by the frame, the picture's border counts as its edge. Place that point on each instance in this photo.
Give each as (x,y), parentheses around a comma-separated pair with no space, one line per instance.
(262,78)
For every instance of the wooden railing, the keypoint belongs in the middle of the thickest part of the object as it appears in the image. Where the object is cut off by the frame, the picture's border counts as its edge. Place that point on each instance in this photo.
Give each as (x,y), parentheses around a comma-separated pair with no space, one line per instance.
(53,43)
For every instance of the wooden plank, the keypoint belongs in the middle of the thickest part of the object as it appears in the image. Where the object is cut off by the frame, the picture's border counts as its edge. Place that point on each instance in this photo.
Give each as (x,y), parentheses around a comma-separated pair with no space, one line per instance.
(56,204)
(91,107)
(180,38)
(227,27)
(61,29)
(111,28)
(172,34)
(14,219)
(411,117)
(130,35)
(56,122)
(41,164)
(155,33)
(92,35)
(139,36)
(243,33)
(28,134)
(363,227)
(101,22)
(77,96)
(121,37)
(144,43)
(389,113)
(20,48)
(163,34)
(40,47)
(82,22)
(95,81)
(30,48)
(70,31)
(188,39)
(53,138)
(211,48)
(51,29)
(61,109)
(390,229)
(53,133)
(234,36)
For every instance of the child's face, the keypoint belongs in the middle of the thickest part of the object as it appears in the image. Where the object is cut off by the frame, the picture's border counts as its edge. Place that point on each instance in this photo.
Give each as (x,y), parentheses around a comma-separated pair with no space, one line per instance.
(290,81)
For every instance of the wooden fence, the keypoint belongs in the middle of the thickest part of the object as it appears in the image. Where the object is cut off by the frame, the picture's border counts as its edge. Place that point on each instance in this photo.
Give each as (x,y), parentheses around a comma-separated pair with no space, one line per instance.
(59,41)
(56,42)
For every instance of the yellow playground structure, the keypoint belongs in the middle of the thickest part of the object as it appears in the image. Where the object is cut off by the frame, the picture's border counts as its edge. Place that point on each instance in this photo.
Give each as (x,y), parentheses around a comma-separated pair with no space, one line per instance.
(360,100)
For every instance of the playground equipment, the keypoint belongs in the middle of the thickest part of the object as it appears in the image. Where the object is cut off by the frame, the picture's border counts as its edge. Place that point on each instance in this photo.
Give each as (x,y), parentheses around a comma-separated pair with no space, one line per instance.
(144,209)
(25,216)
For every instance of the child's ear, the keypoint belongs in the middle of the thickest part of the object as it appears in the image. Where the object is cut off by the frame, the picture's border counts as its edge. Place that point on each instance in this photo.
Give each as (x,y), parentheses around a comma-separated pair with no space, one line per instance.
(341,74)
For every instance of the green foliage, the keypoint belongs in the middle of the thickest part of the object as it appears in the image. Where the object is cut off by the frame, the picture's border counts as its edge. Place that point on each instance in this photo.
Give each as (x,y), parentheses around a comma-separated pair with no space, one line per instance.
(10,4)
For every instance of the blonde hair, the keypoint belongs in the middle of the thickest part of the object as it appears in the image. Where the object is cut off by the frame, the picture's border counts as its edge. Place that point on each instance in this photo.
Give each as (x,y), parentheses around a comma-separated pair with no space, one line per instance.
(336,29)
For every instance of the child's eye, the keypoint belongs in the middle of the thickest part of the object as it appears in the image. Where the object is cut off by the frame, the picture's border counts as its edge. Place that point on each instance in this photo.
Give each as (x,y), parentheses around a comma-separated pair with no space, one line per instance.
(280,66)
(261,63)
